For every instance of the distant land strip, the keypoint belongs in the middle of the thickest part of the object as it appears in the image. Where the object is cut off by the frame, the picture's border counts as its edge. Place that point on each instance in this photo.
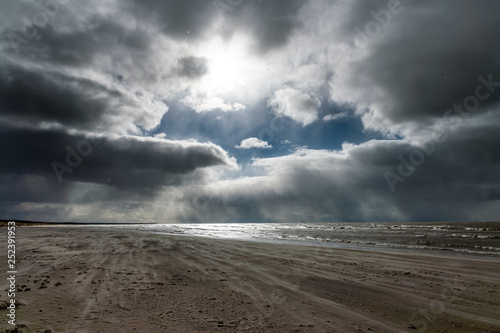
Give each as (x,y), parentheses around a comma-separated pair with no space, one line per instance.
(3,223)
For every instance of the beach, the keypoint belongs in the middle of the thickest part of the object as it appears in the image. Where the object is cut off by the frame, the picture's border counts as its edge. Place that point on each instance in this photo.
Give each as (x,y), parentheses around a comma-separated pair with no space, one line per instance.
(85,279)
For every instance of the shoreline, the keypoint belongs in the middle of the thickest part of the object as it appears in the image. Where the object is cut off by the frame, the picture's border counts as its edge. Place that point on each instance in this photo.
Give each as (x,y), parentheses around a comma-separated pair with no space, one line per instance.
(97,280)
(444,253)
(459,245)
(365,242)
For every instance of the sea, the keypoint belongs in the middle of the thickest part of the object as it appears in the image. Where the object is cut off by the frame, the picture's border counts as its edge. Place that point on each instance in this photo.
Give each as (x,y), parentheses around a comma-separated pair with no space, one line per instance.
(454,238)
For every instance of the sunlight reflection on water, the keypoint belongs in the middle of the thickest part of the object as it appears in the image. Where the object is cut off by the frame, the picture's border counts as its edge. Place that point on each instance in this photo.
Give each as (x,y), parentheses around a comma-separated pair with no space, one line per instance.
(473,238)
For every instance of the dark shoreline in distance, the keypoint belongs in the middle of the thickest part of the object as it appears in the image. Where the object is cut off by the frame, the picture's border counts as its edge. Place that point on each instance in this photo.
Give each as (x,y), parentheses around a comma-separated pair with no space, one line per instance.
(3,222)
(39,223)
(26,223)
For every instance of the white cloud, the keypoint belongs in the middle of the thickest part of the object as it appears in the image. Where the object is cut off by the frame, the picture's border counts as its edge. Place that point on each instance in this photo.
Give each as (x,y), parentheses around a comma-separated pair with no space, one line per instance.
(301,107)
(253,143)
(336,116)
(309,77)
(204,103)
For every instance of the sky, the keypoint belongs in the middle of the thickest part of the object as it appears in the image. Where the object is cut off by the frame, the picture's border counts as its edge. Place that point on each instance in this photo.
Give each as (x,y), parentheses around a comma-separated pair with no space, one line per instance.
(179,111)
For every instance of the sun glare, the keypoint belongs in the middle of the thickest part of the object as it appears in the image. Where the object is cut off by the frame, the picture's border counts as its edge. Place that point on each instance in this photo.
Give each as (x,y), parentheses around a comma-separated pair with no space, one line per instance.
(230,67)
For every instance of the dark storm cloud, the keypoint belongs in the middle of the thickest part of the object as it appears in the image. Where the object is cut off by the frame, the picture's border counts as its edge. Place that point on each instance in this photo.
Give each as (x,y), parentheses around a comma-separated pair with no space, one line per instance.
(79,47)
(423,59)
(34,97)
(69,99)
(18,188)
(270,22)
(175,17)
(192,67)
(129,162)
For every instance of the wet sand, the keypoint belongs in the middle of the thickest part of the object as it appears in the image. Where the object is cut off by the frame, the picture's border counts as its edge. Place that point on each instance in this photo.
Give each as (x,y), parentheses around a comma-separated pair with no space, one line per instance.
(79,279)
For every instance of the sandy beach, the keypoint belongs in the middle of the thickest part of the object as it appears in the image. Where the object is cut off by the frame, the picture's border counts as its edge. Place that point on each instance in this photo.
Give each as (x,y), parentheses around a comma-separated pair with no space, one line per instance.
(82,279)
